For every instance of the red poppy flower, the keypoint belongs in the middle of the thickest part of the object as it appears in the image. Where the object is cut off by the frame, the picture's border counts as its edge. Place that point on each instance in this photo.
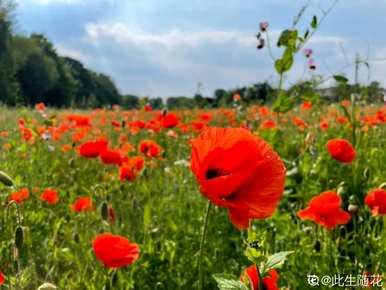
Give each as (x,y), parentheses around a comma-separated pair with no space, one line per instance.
(341,150)
(19,196)
(110,156)
(147,108)
(376,201)
(299,122)
(150,148)
(268,124)
(169,120)
(342,120)
(50,196)
(127,172)
(269,282)
(115,251)
(325,210)
(197,125)
(2,278)
(26,134)
(137,162)
(83,204)
(40,107)
(239,171)
(345,103)
(263,111)
(324,125)
(236,97)
(306,105)
(92,149)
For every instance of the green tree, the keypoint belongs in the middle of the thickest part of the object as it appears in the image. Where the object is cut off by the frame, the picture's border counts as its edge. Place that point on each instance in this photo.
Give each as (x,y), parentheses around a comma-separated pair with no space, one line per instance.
(8,84)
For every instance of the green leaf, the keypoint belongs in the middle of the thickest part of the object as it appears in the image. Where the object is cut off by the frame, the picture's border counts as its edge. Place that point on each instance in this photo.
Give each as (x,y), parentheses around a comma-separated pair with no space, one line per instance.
(314,22)
(277,260)
(285,63)
(225,282)
(288,38)
(340,79)
(310,96)
(283,104)
(254,255)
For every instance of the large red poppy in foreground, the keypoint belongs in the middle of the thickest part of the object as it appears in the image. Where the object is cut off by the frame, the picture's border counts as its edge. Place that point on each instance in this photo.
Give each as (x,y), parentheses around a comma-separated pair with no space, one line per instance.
(115,251)
(239,171)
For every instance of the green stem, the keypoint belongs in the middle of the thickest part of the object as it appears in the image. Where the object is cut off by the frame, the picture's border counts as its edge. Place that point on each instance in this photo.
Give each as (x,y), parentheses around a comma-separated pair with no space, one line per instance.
(261,286)
(203,237)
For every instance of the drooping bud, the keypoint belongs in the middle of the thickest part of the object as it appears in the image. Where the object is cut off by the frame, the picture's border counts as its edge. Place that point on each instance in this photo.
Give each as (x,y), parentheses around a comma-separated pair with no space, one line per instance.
(6,179)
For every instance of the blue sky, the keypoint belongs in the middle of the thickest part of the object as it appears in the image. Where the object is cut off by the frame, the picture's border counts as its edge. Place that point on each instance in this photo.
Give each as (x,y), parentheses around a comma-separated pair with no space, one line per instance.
(165,47)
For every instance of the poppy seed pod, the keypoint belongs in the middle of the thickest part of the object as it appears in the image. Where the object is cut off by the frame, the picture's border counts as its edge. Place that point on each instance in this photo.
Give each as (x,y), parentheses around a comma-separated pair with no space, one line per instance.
(5,179)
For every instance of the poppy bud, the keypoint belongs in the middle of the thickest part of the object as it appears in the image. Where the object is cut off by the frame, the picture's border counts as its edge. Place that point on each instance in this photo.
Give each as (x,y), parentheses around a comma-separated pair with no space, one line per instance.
(261,43)
(366,173)
(76,238)
(47,286)
(317,246)
(5,179)
(352,199)
(19,238)
(105,211)
(311,64)
(353,208)
(340,191)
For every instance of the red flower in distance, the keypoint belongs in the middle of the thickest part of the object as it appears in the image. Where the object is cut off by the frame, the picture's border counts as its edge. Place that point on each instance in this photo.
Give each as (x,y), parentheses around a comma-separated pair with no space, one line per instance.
(150,148)
(40,107)
(92,149)
(127,172)
(2,278)
(341,150)
(83,204)
(325,210)
(50,196)
(115,251)
(137,162)
(306,105)
(169,120)
(376,201)
(109,156)
(268,124)
(239,171)
(269,282)
(19,196)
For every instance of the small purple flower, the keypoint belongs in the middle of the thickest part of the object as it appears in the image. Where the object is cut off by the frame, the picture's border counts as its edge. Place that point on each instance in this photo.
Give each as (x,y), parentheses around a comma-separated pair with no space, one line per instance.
(311,64)
(264,25)
(307,52)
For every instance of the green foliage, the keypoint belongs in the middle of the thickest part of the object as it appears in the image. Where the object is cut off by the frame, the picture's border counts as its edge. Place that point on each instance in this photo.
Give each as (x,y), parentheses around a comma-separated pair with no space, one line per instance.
(225,282)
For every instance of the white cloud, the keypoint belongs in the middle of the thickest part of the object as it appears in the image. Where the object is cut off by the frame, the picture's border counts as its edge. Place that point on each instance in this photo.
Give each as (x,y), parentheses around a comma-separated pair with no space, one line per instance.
(71,52)
(48,2)
(121,33)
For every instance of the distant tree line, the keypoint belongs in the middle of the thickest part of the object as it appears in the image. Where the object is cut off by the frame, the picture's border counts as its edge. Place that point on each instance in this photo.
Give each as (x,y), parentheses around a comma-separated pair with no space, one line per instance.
(31,71)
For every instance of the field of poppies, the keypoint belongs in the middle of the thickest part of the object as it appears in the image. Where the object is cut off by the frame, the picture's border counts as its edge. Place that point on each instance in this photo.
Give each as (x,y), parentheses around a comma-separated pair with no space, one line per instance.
(232,198)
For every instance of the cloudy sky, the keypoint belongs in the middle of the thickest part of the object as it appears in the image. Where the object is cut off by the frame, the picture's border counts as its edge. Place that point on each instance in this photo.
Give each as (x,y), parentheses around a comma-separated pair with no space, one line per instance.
(165,47)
